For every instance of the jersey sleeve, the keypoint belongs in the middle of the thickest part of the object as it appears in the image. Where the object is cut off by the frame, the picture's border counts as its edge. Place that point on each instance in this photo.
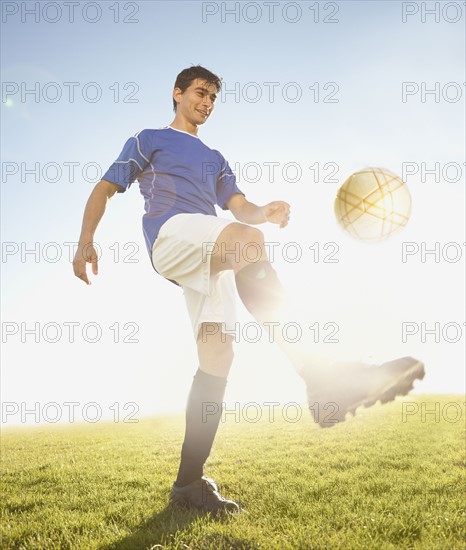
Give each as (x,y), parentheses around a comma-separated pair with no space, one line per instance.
(226,184)
(134,159)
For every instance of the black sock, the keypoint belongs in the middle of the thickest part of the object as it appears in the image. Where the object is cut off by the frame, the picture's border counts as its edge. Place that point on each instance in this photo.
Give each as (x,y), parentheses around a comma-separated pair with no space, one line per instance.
(259,289)
(203,413)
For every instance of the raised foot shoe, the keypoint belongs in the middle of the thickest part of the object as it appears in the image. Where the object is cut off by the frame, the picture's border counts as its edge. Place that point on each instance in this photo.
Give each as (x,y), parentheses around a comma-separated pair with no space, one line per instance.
(202,494)
(347,386)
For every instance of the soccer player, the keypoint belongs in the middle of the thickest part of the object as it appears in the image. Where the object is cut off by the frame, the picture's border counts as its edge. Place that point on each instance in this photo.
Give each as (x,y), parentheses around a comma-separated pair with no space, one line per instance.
(181,180)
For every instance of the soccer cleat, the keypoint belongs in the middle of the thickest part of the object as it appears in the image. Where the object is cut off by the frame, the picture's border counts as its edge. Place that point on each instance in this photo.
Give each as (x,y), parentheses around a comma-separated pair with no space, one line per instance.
(345,387)
(202,494)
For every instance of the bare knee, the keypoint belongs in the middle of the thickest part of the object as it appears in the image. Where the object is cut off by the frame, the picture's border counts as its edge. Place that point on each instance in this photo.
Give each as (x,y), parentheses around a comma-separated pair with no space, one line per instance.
(237,246)
(215,350)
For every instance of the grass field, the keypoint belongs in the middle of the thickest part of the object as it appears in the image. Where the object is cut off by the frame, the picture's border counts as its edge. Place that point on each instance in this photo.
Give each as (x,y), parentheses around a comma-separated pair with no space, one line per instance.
(378,481)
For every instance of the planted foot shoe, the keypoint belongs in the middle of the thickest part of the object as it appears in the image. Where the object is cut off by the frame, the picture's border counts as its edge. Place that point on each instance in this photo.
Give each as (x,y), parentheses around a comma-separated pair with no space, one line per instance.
(346,386)
(201,494)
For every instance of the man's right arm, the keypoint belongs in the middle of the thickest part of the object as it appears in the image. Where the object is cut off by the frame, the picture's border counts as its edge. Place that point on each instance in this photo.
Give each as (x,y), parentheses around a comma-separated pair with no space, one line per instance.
(93,213)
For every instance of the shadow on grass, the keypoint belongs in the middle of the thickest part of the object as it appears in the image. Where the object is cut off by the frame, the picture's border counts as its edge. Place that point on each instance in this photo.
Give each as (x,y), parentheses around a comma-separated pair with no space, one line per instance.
(160,529)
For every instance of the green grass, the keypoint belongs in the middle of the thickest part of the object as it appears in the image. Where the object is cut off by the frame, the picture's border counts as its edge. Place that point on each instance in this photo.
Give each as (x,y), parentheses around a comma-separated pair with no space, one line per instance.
(374,482)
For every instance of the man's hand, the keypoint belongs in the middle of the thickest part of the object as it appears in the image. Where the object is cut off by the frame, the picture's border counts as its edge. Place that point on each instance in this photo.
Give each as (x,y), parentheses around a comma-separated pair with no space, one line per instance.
(86,253)
(277,212)
(247,212)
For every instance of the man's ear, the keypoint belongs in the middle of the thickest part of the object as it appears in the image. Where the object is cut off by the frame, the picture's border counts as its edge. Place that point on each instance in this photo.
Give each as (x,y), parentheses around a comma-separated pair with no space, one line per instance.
(177,93)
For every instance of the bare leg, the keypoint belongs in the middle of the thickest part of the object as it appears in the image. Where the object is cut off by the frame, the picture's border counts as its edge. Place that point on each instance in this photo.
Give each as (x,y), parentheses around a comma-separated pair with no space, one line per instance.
(241,248)
(214,350)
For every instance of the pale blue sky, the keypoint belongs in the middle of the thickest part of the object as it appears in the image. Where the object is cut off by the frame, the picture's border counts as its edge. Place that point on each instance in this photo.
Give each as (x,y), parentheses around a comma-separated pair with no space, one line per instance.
(368,53)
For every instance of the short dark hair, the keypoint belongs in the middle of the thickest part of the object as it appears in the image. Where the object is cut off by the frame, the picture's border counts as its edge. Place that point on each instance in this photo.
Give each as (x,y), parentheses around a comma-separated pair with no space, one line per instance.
(184,79)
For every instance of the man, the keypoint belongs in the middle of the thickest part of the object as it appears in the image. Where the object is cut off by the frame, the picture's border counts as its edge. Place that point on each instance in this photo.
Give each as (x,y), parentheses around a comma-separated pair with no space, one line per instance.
(181,180)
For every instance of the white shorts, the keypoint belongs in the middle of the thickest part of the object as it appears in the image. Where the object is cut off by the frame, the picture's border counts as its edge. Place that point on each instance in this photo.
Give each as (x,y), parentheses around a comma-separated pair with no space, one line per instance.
(181,253)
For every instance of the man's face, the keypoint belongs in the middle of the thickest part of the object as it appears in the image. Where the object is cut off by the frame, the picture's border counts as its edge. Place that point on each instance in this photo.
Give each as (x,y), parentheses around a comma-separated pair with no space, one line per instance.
(196,102)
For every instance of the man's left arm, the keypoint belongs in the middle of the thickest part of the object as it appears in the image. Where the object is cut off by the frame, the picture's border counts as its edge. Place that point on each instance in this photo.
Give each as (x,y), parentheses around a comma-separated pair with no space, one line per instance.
(247,212)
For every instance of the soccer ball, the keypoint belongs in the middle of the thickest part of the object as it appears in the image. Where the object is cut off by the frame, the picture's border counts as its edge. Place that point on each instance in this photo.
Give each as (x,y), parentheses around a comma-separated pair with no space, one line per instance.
(373,204)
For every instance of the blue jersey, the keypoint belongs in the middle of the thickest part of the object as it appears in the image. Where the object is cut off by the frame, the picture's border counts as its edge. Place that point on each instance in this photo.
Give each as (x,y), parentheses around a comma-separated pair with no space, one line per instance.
(177,173)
